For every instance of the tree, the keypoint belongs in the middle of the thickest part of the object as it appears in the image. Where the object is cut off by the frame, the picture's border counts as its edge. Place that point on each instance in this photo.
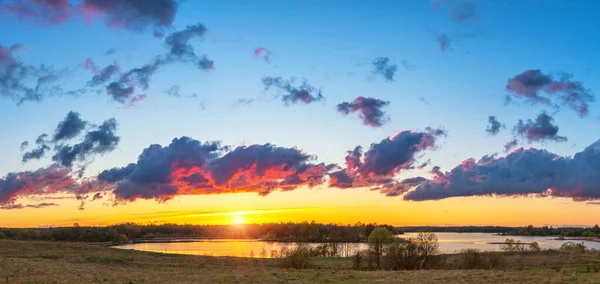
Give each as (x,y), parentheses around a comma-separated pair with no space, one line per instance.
(377,239)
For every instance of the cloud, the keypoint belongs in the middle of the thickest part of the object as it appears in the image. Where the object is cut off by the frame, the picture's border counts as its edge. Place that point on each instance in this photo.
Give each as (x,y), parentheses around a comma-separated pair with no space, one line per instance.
(22,82)
(243,101)
(520,173)
(49,11)
(96,140)
(100,140)
(191,167)
(21,206)
(378,167)
(135,100)
(536,87)
(173,91)
(510,145)
(539,130)
(24,145)
(304,93)
(181,49)
(134,15)
(443,41)
(44,181)
(124,87)
(494,126)
(263,53)
(101,76)
(369,110)
(35,154)
(383,66)
(70,127)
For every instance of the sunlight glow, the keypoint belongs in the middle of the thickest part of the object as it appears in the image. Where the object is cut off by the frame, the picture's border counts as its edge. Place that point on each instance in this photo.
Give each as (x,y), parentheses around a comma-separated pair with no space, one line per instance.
(238,220)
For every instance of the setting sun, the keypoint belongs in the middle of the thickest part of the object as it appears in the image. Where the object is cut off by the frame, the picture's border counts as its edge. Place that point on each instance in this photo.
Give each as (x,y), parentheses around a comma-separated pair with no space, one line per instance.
(238,220)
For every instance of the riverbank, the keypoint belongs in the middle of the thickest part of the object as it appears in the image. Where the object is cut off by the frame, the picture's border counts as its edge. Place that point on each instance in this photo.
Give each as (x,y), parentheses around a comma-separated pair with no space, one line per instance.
(58,262)
(588,239)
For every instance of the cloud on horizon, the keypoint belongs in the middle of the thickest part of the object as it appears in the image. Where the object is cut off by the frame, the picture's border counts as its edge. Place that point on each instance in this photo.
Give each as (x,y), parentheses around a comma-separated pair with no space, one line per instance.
(378,167)
(190,167)
(523,172)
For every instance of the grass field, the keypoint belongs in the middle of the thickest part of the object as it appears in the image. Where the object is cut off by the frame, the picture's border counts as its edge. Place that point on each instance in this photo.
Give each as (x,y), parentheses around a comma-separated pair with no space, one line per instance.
(52,262)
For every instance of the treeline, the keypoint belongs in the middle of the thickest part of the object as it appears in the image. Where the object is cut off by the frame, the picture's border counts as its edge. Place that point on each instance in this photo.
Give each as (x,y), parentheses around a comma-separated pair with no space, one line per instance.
(550,231)
(515,231)
(120,233)
(458,229)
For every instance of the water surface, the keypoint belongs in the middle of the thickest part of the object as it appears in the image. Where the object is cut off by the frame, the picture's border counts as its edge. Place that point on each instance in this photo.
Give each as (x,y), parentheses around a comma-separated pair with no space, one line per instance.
(449,243)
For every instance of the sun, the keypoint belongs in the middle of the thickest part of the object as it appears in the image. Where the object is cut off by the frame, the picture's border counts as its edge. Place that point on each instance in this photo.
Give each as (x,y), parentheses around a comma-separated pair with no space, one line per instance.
(238,220)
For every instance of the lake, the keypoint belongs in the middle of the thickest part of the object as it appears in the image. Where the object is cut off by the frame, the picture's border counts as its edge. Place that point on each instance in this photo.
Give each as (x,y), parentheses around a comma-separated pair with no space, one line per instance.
(449,243)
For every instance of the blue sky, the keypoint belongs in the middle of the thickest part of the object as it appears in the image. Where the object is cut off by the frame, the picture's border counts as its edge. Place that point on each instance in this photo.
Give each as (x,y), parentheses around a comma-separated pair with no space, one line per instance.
(331,45)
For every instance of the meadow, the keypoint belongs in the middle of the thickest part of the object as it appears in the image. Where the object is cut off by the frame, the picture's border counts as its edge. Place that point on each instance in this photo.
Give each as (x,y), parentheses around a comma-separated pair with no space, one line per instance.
(66,262)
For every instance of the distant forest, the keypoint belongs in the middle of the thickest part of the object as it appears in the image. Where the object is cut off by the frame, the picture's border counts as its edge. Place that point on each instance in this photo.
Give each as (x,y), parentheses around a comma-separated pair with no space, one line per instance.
(283,232)
(120,233)
(515,231)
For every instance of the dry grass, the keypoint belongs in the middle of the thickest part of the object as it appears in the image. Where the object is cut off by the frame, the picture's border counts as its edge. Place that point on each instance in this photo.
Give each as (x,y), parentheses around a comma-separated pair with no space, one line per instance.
(47,262)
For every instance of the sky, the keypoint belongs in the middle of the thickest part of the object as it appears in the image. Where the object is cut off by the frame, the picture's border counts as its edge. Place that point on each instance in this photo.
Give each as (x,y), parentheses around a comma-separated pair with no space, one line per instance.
(444,112)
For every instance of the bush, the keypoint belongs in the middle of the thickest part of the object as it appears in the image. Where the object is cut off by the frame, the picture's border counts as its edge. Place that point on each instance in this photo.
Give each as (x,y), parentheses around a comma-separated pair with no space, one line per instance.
(298,257)
(476,259)
(573,247)
(356,258)
(413,253)
(470,259)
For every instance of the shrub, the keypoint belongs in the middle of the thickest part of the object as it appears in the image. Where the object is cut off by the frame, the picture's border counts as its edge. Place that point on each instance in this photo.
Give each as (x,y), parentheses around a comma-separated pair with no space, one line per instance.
(299,257)
(413,253)
(573,247)
(470,259)
(511,245)
(356,258)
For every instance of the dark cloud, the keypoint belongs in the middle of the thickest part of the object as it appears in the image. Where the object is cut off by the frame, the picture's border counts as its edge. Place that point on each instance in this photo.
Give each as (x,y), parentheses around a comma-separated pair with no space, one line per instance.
(134,14)
(536,87)
(42,181)
(539,130)
(304,93)
(70,127)
(510,145)
(36,153)
(494,125)
(130,14)
(97,140)
(263,53)
(24,145)
(189,167)
(181,49)
(520,173)
(101,76)
(443,41)
(127,85)
(369,110)
(47,11)
(384,67)
(22,82)
(378,167)
(21,206)
(101,140)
